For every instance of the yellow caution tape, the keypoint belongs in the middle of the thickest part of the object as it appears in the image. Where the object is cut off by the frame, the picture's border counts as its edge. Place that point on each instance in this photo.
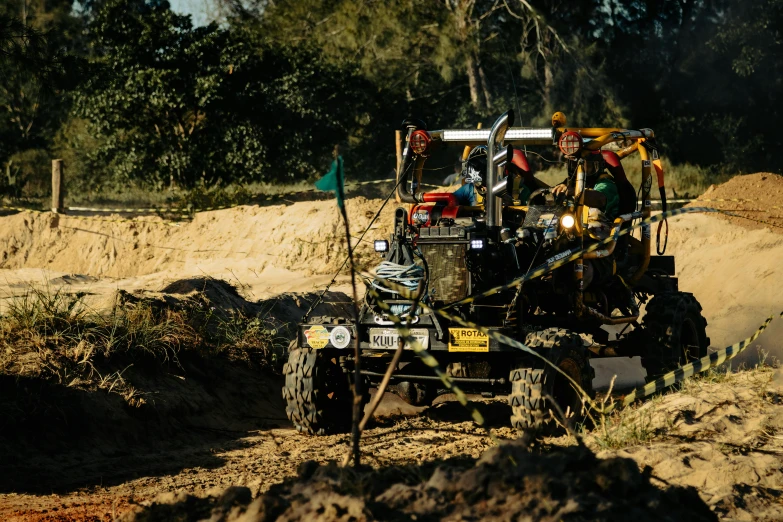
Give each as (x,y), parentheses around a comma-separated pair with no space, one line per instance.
(558,261)
(702,365)
(680,374)
(21,209)
(191,210)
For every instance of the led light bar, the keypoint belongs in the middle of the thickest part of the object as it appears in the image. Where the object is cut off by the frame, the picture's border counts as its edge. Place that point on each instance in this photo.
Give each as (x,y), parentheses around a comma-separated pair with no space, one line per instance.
(518,134)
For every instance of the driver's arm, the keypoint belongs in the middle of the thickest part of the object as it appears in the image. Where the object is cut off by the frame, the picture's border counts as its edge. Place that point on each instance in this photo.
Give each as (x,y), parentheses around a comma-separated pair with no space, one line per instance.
(593,198)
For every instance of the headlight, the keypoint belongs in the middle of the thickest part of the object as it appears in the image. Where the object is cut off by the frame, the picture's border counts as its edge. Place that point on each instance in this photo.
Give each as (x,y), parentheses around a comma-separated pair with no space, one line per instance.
(567,221)
(381,245)
(476,244)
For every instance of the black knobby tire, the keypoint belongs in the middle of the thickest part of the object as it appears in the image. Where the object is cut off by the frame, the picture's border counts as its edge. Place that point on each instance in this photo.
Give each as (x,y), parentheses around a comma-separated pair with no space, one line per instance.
(317,392)
(533,381)
(674,331)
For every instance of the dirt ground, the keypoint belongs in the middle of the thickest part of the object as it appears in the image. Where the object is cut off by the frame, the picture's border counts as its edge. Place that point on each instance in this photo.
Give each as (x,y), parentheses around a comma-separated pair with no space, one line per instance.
(722,439)
(227,427)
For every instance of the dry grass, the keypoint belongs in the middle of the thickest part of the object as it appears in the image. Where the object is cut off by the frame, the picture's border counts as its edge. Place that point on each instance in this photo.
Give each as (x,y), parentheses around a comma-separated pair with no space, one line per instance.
(52,335)
(626,427)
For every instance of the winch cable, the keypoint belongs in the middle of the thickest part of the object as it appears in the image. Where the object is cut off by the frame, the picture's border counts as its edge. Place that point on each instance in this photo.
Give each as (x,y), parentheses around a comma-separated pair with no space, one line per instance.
(320,298)
(405,275)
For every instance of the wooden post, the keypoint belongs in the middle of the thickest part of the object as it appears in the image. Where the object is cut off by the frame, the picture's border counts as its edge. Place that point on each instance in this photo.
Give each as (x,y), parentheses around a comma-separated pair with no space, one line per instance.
(398,145)
(57,186)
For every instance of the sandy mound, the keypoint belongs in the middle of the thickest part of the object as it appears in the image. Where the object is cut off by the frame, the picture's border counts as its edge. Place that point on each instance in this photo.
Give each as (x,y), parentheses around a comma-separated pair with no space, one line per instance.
(721,435)
(736,275)
(306,237)
(764,190)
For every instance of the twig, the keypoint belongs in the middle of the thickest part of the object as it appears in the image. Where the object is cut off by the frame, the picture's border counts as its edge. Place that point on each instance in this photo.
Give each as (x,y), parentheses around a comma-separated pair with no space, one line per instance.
(376,400)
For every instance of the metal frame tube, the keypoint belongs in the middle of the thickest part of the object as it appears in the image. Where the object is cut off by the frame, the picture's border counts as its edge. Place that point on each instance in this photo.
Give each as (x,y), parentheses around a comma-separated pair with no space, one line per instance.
(402,188)
(646,211)
(494,211)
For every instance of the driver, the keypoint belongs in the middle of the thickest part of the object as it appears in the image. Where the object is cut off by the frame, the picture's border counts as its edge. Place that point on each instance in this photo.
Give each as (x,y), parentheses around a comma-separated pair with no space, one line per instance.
(599,180)
(469,194)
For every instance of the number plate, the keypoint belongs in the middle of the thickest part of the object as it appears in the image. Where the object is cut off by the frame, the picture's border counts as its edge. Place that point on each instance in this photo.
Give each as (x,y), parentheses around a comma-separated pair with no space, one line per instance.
(386,338)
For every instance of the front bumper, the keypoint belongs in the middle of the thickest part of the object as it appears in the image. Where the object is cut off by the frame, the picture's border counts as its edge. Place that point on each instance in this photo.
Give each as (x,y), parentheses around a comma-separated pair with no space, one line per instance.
(374,337)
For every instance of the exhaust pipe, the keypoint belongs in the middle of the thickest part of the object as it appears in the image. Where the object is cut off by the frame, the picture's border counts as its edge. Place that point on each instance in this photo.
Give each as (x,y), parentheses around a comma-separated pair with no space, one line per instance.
(492,207)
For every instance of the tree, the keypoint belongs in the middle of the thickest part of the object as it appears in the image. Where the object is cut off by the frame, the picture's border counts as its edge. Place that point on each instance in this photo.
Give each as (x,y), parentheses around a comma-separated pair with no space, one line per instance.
(172,104)
(35,72)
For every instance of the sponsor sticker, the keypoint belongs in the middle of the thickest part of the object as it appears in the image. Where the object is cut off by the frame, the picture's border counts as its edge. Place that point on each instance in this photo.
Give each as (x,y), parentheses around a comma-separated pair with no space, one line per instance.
(317,336)
(420,217)
(467,340)
(340,337)
(646,163)
(558,257)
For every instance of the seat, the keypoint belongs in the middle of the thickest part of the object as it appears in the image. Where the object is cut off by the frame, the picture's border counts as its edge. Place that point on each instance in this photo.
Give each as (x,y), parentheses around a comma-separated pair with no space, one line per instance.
(625,189)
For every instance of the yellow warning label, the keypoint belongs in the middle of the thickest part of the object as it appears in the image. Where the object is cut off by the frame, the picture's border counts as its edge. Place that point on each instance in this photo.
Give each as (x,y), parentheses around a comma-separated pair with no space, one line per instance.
(317,336)
(467,340)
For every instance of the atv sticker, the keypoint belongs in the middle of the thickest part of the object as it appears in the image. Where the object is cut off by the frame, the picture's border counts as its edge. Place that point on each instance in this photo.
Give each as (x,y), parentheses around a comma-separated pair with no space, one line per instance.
(317,336)
(467,340)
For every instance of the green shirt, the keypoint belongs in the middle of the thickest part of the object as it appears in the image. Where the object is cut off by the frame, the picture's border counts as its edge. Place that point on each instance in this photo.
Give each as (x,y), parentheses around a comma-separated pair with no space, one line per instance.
(606,186)
(524,193)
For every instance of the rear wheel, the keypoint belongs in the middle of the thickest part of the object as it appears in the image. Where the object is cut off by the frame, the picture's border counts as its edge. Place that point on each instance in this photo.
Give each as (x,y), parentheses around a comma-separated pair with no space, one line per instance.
(534,383)
(318,395)
(675,333)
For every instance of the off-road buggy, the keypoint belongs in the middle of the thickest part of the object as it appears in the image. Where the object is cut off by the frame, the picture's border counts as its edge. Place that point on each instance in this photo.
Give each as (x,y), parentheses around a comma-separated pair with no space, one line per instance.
(454,253)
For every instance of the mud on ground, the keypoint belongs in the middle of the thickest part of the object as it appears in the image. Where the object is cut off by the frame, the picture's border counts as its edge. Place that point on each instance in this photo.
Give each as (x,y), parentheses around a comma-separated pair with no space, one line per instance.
(709,451)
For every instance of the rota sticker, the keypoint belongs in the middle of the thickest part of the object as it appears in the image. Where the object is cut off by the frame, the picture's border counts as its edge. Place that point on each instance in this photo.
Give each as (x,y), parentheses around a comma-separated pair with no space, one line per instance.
(317,336)
(467,340)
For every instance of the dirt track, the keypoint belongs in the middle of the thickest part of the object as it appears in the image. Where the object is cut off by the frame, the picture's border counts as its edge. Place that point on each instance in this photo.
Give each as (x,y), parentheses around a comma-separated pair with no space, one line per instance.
(724,441)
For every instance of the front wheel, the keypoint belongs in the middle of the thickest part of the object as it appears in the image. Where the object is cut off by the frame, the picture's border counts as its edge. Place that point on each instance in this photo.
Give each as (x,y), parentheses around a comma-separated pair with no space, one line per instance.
(534,383)
(318,395)
(675,333)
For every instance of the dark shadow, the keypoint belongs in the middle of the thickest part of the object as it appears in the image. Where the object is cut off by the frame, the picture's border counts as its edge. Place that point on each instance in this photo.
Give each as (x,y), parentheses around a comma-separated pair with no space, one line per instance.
(495,413)
(55,438)
(509,482)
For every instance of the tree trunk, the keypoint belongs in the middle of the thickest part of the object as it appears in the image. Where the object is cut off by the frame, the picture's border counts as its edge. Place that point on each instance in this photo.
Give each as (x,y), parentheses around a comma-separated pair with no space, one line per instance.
(485,87)
(549,81)
(473,82)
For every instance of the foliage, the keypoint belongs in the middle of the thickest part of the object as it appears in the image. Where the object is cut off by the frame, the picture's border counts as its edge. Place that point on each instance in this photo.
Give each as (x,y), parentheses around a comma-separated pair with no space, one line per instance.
(53,334)
(132,94)
(184,105)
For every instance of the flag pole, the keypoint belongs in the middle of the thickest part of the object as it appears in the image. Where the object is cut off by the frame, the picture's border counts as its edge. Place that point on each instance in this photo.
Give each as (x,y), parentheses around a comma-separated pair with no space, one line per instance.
(357,381)
(335,180)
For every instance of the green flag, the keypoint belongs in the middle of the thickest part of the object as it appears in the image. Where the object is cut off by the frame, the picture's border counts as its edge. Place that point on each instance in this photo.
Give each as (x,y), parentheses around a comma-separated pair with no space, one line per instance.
(334,180)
